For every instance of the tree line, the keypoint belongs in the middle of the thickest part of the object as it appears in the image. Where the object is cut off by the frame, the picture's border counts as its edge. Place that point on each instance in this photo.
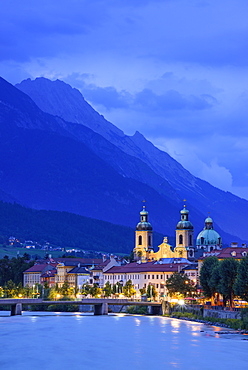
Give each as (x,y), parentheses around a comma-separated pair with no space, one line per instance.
(228,278)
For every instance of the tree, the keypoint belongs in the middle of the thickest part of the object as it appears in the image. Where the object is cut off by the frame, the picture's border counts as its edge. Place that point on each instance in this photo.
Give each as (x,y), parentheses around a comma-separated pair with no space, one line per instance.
(241,283)
(151,291)
(179,284)
(206,274)
(128,289)
(85,289)
(228,273)
(95,290)
(65,289)
(107,289)
(10,289)
(214,283)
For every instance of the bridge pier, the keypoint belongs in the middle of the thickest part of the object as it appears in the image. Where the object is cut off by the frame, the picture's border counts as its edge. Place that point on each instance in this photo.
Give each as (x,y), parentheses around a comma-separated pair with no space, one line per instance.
(101,309)
(154,310)
(16,309)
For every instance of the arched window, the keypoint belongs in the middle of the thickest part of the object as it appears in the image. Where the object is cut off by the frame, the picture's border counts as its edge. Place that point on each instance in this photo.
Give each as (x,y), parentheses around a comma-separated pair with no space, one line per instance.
(180,239)
(190,240)
(202,240)
(149,240)
(140,240)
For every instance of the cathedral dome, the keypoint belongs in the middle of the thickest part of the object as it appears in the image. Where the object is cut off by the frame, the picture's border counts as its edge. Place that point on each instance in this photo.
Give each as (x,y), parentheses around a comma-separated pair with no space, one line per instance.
(144,224)
(184,223)
(208,236)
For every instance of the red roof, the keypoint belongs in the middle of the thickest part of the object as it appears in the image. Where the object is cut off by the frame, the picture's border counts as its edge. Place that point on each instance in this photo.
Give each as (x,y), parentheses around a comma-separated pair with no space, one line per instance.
(40,267)
(49,273)
(229,252)
(147,267)
(101,265)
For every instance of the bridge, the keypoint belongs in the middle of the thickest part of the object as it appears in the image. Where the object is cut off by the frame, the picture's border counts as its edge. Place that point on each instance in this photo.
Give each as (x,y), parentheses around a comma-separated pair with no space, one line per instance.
(100,304)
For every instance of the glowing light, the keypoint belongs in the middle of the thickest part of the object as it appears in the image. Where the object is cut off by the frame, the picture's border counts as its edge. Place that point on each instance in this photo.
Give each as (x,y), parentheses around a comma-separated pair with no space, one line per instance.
(181,302)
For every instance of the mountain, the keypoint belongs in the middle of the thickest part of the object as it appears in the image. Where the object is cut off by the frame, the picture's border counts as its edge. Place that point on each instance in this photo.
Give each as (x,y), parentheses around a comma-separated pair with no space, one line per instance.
(45,165)
(64,229)
(137,158)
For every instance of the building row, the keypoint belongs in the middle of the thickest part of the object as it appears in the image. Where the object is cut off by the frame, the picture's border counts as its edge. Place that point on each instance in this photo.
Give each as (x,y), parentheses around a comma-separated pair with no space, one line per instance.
(149,267)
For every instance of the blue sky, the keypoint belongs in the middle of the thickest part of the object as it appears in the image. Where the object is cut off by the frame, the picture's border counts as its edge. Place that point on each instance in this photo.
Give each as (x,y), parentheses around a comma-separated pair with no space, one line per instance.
(175,70)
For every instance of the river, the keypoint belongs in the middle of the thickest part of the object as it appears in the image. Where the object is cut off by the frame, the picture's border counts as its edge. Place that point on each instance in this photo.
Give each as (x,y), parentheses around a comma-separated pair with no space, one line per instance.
(115,342)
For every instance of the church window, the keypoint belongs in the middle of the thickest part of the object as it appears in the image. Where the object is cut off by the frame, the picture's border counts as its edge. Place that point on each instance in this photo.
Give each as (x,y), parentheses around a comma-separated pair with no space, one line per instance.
(202,240)
(190,240)
(180,239)
(149,240)
(140,240)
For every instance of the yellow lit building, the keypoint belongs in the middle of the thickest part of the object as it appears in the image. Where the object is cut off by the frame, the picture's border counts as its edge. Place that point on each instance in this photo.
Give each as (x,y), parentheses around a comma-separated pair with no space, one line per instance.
(184,240)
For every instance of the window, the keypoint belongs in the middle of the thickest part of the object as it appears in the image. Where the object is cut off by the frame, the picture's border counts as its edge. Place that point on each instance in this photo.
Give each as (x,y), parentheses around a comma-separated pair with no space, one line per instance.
(144,285)
(152,276)
(180,239)
(149,240)
(140,240)
(161,276)
(148,276)
(145,277)
(244,254)
(157,277)
(157,285)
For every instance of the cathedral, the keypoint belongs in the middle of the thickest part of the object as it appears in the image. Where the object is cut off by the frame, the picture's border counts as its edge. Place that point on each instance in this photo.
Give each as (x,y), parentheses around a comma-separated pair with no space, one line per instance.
(207,240)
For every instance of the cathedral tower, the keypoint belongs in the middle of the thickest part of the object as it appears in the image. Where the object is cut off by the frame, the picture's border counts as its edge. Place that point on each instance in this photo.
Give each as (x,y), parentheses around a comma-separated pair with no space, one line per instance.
(185,234)
(143,237)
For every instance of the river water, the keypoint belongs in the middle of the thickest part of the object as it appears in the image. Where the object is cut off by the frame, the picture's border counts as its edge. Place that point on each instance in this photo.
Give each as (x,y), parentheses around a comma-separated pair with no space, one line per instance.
(115,342)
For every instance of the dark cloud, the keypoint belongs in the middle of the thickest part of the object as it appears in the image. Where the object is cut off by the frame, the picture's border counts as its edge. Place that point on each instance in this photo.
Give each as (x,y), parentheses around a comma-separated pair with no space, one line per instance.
(171,100)
(171,31)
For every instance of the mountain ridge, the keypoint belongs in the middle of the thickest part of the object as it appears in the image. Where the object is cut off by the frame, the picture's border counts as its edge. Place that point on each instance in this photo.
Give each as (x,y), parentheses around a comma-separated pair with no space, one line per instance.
(199,194)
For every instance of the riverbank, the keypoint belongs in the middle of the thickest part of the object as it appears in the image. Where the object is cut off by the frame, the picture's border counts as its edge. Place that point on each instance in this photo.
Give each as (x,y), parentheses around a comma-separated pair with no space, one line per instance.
(236,324)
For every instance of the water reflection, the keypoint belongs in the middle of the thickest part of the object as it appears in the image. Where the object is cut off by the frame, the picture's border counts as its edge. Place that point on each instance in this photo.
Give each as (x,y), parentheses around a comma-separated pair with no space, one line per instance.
(130,342)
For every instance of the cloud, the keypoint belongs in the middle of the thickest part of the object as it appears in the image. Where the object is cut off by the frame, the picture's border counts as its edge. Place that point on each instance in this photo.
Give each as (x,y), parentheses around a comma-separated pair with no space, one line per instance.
(145,100)
(174,70)
(172,100)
